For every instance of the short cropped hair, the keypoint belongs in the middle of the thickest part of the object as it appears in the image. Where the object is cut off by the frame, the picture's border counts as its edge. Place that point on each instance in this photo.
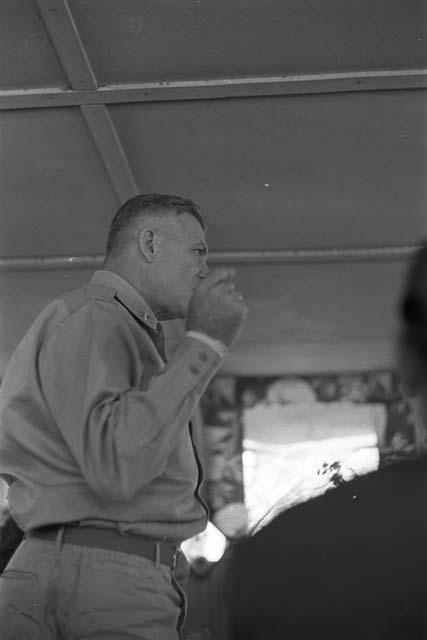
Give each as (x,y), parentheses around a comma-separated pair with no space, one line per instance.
(144,205)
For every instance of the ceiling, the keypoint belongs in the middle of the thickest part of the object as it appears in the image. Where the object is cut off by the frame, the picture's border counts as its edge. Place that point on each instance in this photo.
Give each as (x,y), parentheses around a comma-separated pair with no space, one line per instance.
(298,126)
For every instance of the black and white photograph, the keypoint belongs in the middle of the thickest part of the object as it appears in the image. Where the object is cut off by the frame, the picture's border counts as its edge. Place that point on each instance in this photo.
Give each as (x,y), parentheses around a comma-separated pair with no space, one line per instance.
(213,319)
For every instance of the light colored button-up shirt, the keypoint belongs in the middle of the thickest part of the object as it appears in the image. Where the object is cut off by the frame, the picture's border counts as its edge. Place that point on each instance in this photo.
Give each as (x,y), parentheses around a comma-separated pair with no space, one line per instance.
(94,423)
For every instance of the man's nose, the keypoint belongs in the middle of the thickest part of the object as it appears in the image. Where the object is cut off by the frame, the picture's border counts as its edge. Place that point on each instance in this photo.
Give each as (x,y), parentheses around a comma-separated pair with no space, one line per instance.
(203,272)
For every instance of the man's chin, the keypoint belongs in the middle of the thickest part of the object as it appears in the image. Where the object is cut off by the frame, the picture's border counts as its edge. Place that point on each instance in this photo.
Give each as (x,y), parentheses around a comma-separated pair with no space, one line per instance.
(175,314)
(177,309)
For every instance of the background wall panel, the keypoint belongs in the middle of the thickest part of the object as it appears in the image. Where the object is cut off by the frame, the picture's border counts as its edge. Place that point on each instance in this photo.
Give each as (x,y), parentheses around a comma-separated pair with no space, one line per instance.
(314,171)
(27,58)
(134,41)
(55,195)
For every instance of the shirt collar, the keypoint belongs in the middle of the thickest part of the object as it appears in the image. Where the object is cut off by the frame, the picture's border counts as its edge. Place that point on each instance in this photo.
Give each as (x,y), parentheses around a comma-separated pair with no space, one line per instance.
(128,295)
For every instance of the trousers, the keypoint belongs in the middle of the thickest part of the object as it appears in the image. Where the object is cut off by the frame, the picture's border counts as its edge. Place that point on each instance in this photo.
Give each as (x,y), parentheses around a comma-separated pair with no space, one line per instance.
(50,590)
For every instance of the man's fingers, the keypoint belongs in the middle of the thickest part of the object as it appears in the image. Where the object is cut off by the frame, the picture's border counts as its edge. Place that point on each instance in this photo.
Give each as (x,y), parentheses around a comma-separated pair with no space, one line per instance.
(238,296)
(229,286)
(235,295)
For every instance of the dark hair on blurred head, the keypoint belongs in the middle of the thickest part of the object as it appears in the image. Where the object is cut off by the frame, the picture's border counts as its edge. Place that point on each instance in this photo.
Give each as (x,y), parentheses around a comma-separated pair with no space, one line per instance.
(144,205)
(413,323)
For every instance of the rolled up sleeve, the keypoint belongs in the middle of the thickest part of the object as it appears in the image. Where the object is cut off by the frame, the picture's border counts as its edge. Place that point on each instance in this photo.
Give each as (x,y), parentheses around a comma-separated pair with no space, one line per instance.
(119,433)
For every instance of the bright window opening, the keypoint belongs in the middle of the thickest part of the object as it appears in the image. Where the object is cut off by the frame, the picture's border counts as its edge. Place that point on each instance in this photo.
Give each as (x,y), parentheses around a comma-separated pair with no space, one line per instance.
(294,452)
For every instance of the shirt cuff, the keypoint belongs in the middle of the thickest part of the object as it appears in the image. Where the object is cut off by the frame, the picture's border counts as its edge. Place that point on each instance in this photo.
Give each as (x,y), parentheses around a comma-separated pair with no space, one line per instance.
(216,345)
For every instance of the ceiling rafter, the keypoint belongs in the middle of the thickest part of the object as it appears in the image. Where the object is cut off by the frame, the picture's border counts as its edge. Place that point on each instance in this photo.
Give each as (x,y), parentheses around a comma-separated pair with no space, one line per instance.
(69,48)
(216,89)
(355,254)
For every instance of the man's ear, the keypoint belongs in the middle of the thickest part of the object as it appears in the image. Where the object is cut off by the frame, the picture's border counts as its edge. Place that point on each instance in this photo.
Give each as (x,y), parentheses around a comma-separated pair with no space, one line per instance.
(149,243)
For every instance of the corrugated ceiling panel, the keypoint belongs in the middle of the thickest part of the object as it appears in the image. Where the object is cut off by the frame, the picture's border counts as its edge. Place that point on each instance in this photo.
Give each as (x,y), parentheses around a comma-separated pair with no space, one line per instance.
(27,58)
(133,41)
(55,195)
(275,173)
(282,173)
(317,317)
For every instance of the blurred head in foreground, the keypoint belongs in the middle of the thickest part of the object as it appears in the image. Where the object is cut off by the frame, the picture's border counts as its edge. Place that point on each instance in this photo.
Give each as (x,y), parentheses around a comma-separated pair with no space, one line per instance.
(412,345)
(350,563)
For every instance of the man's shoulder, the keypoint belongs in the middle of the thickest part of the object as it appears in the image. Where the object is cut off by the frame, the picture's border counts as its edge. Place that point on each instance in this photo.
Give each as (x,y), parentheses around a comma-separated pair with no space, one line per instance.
(83,305)
(92,305)
(72,300)
(65,306)
(61,307)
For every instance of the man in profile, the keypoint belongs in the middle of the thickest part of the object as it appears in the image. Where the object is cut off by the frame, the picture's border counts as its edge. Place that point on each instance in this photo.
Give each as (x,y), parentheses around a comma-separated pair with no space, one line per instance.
(96,441)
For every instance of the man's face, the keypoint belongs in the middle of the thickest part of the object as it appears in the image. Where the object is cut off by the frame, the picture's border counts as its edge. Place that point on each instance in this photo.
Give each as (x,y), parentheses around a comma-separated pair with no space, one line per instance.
(181,262)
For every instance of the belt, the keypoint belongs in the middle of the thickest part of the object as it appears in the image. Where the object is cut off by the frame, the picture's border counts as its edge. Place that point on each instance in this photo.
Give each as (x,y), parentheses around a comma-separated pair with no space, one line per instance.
(111,540)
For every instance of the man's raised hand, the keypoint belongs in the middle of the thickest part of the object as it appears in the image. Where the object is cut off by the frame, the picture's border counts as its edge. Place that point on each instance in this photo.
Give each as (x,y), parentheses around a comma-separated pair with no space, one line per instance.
(217,308)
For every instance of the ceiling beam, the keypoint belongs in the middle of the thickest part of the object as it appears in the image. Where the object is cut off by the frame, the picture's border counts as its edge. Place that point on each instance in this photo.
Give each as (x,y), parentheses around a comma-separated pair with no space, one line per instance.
(110,148)
(357,254)
(68,45)
(222,88)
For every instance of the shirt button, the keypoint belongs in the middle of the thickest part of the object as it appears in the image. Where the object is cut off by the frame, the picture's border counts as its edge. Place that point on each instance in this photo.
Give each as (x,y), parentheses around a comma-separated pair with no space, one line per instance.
(203,357)
(194,370)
